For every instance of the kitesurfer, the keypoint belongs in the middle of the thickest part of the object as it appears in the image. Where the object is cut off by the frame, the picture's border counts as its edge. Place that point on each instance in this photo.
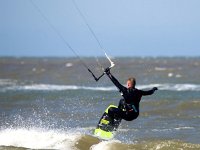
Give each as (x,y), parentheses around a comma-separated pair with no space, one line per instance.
(128,108)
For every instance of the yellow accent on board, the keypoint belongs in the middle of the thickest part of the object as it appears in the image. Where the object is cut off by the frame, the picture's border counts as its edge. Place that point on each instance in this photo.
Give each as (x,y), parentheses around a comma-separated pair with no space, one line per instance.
(103,134)
(109,107)
(103,121)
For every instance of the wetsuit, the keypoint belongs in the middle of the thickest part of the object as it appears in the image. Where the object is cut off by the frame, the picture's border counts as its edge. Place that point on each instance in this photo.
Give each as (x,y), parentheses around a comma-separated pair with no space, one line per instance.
(128,108)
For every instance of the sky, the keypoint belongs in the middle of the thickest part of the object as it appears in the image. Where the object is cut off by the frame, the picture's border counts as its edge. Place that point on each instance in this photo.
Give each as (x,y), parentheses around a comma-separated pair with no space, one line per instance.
(124,28)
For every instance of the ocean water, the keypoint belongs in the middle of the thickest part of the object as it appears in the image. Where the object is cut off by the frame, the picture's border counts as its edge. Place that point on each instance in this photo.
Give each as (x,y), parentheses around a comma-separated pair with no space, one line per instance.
(54,103)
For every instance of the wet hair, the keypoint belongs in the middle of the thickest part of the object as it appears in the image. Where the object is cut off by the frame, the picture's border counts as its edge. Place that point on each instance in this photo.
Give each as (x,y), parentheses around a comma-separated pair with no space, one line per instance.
(132,80)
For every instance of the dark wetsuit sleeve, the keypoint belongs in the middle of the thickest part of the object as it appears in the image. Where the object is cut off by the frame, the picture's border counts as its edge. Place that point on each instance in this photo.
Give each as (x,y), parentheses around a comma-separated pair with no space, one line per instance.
(117,84)
(149,92)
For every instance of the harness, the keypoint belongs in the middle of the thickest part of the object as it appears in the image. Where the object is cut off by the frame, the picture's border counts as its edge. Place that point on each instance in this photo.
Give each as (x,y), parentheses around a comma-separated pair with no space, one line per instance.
(129,107)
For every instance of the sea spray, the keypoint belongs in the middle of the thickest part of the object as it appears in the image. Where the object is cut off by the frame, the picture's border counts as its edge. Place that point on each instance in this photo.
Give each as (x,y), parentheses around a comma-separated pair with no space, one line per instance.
(38,138)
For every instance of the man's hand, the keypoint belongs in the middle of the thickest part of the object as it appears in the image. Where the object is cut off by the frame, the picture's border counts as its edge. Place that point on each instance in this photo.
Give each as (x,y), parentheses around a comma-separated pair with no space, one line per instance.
(155,88)
(107,71)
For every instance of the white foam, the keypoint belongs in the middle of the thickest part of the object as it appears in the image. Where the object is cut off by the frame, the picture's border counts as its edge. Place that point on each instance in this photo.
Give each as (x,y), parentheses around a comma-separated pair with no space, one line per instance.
(37,139)
(172,129)
(8,84)
(184,128)
(34,69)
(104,145)
(170,74)
(160,69)
(173,87)
(178,76)
(68,65)
(50,87)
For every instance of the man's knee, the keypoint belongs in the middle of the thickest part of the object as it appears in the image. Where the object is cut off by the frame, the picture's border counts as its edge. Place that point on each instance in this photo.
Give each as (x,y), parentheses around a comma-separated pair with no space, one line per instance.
(111,110)
(115,112)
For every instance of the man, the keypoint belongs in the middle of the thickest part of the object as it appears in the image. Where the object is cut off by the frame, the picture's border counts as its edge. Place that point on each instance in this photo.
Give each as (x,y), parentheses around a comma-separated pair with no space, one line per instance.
(128,108)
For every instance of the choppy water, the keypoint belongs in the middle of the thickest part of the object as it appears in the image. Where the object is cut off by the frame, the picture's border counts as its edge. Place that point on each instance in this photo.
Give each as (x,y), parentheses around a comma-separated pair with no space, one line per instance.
(54,103)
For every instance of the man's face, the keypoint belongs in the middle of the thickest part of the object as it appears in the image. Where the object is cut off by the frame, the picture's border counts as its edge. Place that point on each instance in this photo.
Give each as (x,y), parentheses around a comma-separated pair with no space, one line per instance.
(129,84)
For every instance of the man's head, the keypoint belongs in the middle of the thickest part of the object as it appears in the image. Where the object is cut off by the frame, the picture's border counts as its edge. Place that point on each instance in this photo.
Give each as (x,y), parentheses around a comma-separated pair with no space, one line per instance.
(131,82)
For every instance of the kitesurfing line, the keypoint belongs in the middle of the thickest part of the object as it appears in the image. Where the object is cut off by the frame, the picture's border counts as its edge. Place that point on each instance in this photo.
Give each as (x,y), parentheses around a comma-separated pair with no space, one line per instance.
(57,32)
(94,35)
(64,40)
(86,22)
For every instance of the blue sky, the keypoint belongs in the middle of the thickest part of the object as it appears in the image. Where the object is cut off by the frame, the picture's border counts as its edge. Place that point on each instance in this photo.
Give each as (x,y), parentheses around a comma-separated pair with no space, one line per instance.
(124,28)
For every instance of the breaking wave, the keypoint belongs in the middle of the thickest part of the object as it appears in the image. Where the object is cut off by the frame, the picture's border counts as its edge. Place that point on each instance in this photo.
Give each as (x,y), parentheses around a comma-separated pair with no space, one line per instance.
(52,139)
(6,85)
(37,139)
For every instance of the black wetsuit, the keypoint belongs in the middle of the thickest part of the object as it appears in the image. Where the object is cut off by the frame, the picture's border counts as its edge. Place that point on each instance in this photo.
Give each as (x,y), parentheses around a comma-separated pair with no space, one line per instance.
(128,108)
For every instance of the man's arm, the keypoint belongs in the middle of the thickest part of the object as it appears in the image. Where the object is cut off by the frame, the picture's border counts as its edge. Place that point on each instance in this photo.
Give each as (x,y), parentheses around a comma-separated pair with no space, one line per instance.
(149,92)
(115,81)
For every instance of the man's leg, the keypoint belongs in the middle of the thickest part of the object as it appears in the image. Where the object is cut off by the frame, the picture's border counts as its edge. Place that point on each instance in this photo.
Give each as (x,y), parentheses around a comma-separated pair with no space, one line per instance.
(116,116)
(114,112)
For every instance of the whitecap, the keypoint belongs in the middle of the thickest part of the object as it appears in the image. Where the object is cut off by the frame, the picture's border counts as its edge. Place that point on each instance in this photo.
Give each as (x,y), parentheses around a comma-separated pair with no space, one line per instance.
(105,145)
(7,82)
(38,139)
(160,69)
(170,74)
(184,128)
(68,65)
(50,87)
(12,85)
(178,76)
(34,69)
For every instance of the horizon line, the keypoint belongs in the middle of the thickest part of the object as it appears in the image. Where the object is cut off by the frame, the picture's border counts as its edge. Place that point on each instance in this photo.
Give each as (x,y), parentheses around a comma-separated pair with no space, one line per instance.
(102,56)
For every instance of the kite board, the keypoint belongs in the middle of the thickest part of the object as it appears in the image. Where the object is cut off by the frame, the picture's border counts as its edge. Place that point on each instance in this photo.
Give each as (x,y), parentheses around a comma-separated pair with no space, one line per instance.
(106,126)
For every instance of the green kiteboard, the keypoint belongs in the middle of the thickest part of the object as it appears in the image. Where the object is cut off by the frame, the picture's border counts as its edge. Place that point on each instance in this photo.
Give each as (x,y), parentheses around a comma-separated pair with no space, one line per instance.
(106,127)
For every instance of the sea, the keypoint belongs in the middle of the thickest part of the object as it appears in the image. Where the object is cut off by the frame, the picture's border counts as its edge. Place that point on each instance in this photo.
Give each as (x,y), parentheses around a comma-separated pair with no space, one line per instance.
(55,103)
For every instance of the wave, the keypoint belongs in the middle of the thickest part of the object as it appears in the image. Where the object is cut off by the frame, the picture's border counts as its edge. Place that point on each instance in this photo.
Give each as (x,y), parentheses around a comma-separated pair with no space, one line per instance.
(37,139)
(145,145)
(73,140)
(50,87)
(177,87)
(6,84)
